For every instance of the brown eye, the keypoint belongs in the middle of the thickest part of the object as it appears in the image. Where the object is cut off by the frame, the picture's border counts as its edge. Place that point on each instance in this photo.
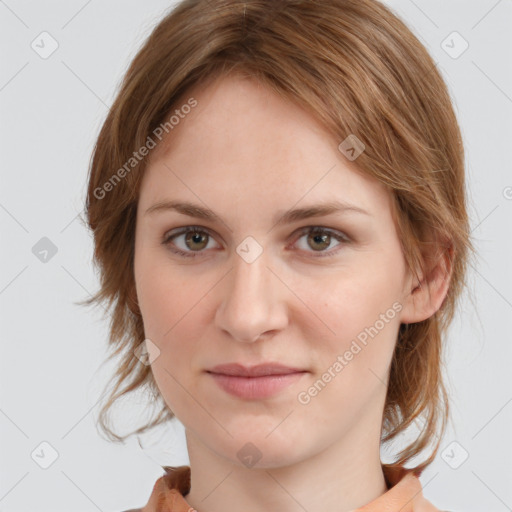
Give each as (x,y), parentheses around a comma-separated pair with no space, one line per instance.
(194,241)
(318,239)
(197,239)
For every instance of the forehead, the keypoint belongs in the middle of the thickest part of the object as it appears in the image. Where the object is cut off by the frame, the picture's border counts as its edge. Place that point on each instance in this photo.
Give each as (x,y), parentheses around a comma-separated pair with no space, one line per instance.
(235,113)
(244,140)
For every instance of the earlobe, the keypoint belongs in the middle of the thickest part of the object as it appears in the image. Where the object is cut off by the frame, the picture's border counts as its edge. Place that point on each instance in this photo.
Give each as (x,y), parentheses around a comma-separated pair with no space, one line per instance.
(426,296)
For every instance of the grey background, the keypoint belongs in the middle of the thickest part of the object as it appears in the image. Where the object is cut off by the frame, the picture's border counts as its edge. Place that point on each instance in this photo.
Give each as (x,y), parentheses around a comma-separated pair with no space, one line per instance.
(51,367)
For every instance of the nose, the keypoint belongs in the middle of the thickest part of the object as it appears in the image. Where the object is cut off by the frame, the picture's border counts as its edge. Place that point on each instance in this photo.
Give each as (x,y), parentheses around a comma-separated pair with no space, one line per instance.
(252,302)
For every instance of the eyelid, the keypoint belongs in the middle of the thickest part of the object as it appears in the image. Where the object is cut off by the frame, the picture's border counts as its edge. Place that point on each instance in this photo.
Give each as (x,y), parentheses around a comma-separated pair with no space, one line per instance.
(322,229)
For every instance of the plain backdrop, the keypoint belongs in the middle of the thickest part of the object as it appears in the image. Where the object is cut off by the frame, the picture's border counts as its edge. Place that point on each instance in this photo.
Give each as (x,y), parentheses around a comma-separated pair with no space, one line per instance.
(52,352)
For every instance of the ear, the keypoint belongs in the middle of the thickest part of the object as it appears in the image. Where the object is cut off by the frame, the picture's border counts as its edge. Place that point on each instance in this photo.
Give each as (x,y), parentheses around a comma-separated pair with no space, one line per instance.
(422,299)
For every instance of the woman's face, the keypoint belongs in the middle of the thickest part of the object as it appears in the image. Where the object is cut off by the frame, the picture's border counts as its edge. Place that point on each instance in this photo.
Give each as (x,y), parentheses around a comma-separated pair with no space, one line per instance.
(252,289)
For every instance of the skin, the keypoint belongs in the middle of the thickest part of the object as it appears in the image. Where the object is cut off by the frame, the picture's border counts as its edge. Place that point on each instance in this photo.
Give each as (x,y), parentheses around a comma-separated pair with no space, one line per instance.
(247,154)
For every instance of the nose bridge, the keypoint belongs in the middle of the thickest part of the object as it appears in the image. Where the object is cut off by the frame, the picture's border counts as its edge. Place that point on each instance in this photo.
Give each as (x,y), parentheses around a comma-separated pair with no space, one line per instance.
(248,307)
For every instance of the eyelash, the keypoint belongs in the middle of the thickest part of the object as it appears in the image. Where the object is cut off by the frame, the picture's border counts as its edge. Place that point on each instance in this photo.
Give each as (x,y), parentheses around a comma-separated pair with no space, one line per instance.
(303,231)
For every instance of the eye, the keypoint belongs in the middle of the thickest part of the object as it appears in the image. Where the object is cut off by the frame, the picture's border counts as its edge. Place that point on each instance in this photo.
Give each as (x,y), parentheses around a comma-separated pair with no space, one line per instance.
(195,240)
(320,238)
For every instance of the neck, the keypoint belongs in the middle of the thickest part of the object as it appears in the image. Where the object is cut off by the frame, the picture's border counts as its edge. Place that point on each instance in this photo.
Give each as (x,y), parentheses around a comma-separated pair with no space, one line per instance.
(343,477)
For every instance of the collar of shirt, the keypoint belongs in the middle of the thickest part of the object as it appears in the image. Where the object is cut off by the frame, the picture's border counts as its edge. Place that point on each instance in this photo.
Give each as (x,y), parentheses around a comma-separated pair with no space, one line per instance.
(404,493)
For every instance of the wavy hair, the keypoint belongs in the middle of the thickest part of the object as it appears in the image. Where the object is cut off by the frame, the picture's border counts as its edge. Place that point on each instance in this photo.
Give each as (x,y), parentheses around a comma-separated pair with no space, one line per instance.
(358,69)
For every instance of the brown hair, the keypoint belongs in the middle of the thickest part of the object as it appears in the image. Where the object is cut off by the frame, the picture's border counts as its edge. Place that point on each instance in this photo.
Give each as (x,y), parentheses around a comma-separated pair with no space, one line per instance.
(356,67)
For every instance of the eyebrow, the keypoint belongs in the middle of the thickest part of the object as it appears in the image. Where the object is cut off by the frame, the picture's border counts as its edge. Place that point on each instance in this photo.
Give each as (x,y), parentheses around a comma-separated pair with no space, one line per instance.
(281,218)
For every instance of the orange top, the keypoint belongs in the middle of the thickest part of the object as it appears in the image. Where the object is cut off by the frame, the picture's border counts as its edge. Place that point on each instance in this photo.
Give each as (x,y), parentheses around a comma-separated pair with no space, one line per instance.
(404,493)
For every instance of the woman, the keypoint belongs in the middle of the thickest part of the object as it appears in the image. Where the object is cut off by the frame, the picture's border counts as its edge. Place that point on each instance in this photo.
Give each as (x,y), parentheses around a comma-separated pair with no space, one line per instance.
(277,199)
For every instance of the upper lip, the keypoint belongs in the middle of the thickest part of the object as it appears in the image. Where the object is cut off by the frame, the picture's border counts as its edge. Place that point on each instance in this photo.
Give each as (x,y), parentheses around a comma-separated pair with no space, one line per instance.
(254,371)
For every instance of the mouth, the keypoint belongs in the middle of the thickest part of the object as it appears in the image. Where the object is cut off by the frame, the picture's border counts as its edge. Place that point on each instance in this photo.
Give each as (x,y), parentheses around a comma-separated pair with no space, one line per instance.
(257,382)
(259,370)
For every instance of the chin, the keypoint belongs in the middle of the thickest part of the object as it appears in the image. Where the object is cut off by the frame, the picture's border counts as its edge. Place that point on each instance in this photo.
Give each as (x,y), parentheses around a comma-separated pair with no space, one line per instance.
(259,450)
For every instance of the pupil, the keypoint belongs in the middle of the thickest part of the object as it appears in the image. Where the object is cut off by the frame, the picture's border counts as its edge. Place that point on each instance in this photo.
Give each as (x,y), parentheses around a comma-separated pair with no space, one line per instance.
(195,238)
(321,239)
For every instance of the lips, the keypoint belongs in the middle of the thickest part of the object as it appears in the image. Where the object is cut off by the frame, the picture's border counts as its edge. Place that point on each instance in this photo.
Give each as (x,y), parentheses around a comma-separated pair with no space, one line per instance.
(256,382)
(259,370)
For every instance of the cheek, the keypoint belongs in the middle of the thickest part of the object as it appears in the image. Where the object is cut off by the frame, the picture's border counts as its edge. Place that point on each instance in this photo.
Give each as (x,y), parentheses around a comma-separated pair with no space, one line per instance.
(360,320)
(165,293)
(169,322)
(170,302)
(351,364)
(344,303)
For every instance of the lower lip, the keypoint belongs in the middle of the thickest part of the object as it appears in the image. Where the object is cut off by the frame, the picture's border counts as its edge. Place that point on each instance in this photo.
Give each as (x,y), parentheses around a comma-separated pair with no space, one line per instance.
(255,387)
